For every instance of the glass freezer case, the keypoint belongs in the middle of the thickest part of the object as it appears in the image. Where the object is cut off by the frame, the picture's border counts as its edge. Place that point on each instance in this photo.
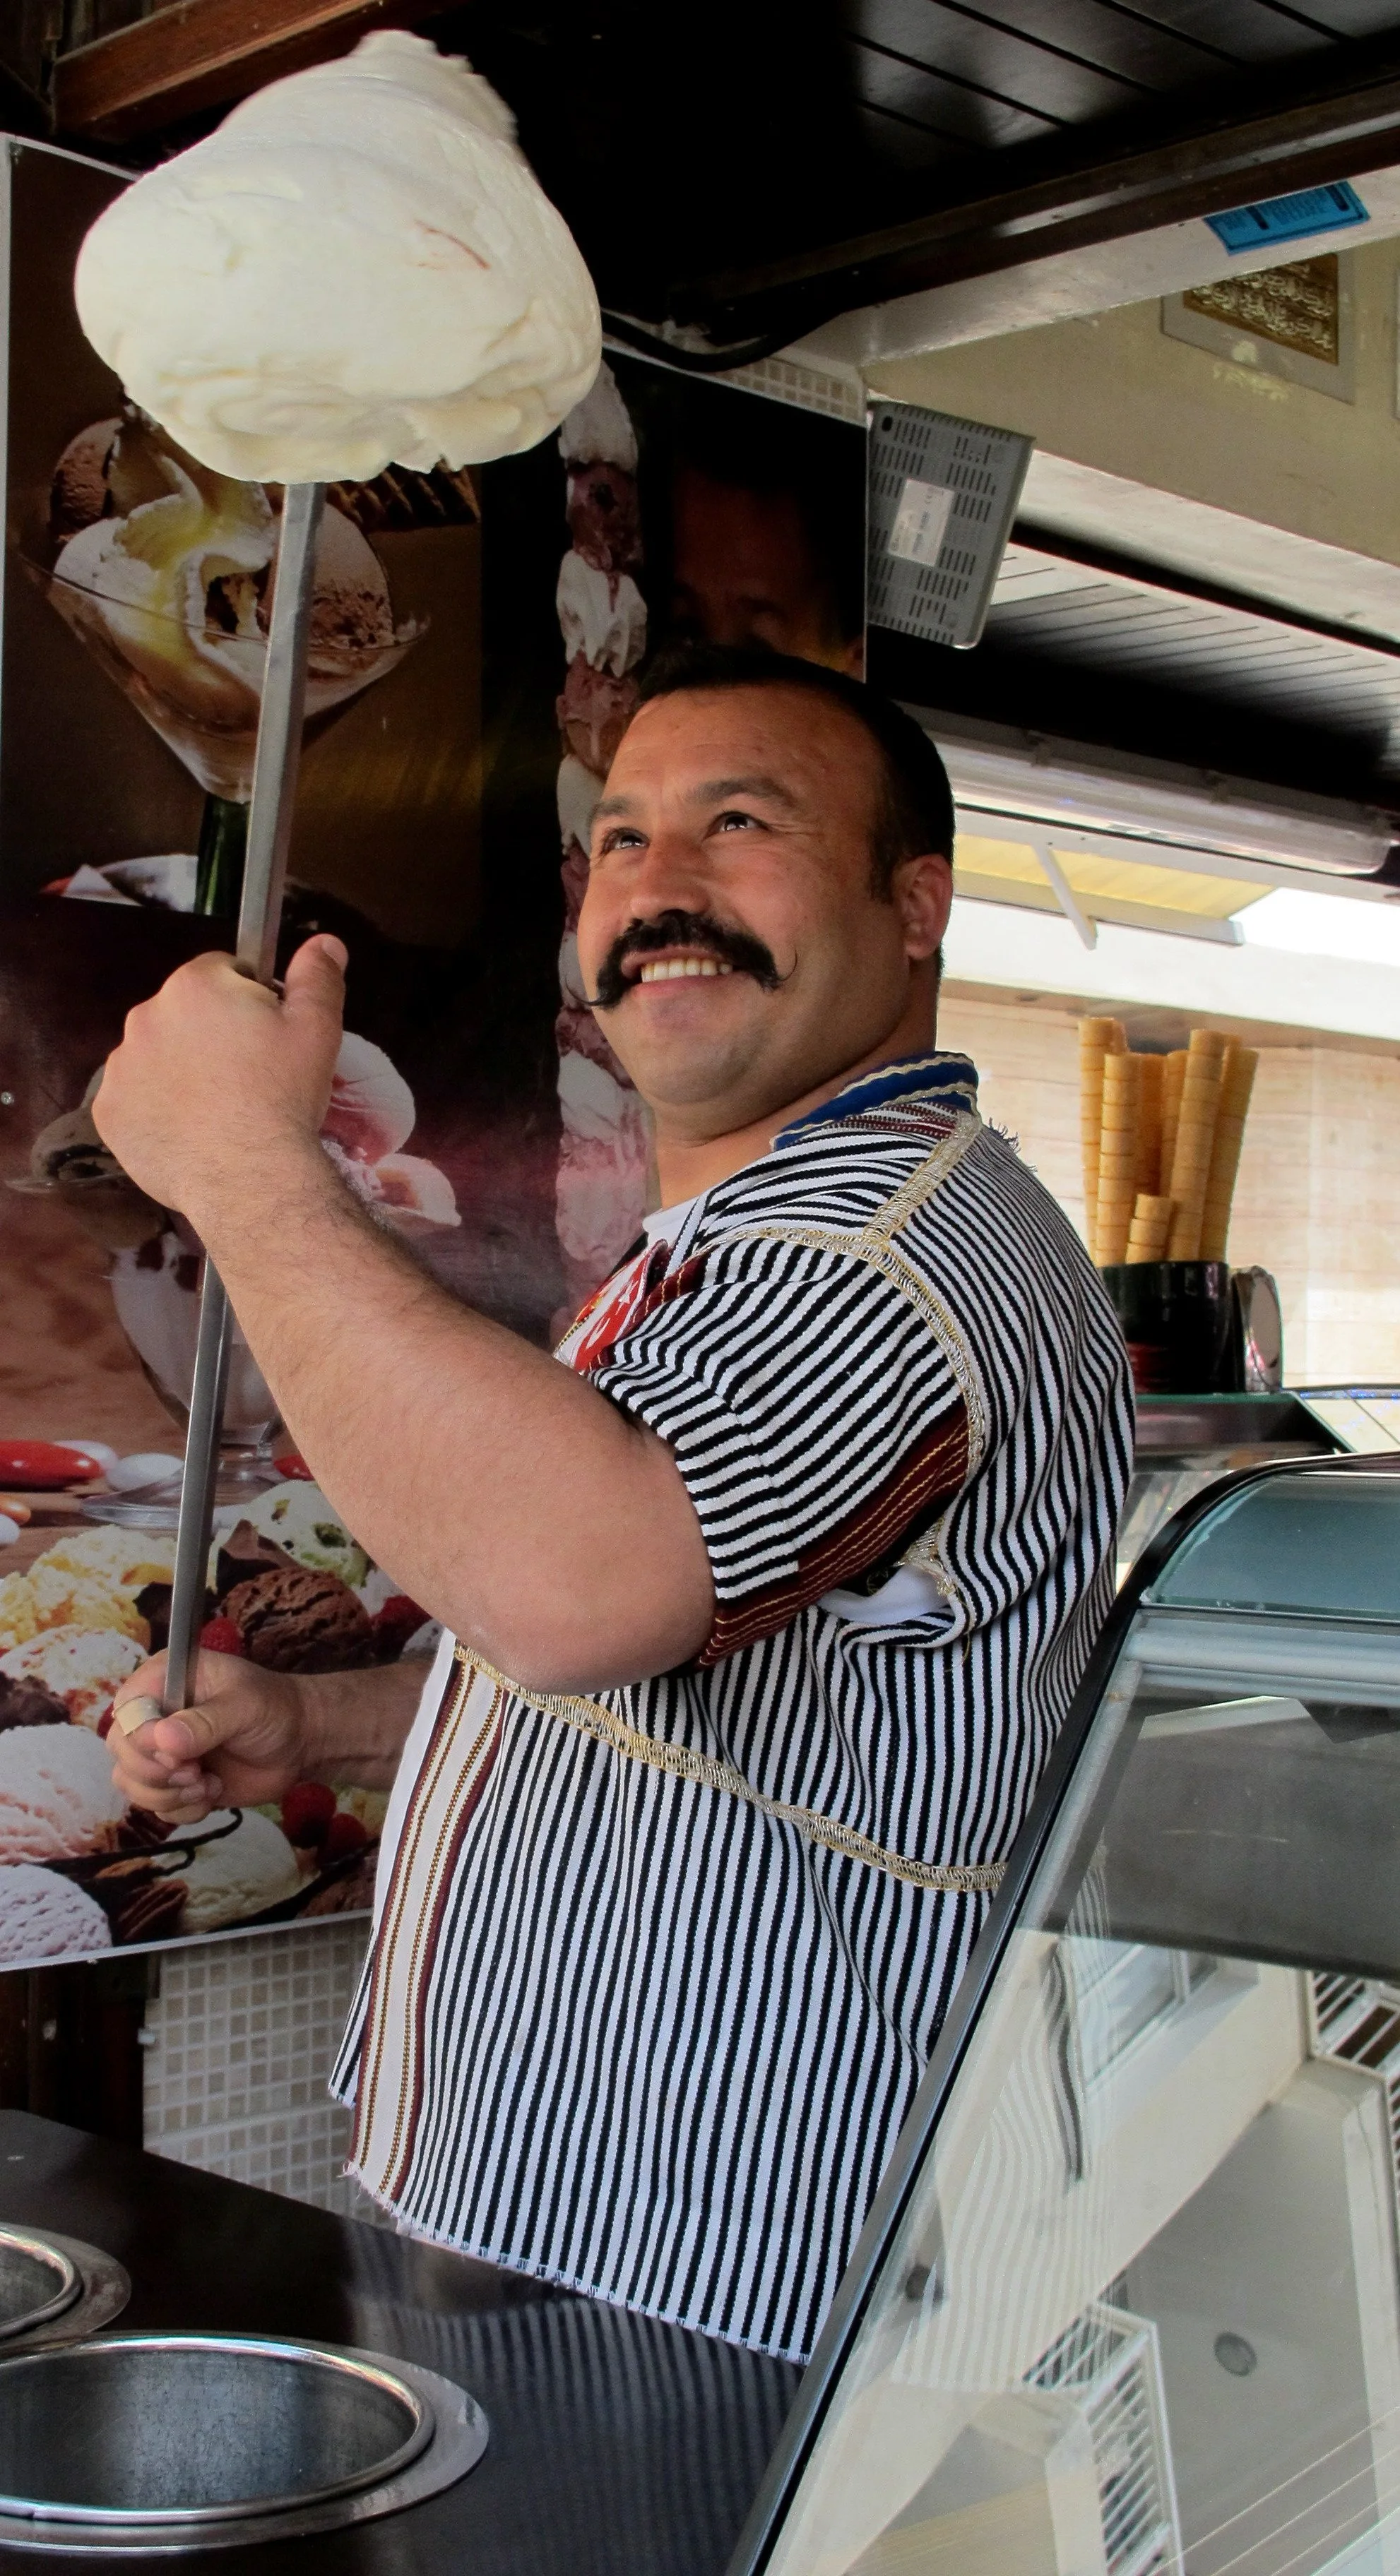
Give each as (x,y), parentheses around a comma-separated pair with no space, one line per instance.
(1128,2300)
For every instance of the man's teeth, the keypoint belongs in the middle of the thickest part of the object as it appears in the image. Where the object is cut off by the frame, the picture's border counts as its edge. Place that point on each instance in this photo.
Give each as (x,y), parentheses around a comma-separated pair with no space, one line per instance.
(663,969)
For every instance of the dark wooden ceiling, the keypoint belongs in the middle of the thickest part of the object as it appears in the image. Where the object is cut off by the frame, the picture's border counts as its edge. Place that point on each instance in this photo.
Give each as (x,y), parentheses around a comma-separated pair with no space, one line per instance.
(1107,652)
(739,174)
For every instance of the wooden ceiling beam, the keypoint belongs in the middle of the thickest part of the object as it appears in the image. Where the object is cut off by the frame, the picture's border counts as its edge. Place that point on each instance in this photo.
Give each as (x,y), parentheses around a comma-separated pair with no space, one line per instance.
(201,54)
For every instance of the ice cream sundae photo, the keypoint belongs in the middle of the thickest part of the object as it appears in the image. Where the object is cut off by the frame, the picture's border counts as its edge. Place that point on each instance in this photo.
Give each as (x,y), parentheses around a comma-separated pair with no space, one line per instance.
(155,1265)
(164,570)
(290,1588)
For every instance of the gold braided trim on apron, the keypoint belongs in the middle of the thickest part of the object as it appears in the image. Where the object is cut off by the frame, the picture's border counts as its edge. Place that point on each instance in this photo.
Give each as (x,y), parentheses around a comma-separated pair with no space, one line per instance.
(591,1718)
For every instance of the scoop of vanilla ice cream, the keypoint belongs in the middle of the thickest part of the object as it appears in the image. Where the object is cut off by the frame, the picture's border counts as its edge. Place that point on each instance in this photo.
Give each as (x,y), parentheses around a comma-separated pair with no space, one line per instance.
(57,1794)
(598,431)
(81,1666)
(358,268)
(43,1916)
(237,1874)
(296,1516)
(601,615)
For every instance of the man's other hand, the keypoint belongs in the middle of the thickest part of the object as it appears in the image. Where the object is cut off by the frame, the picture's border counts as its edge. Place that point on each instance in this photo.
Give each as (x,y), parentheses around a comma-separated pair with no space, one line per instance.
(241,1744)
(215,1071)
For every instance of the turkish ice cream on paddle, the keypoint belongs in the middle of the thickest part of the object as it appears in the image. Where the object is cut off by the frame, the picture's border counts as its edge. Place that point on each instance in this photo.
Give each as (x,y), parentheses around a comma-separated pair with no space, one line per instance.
(358,268)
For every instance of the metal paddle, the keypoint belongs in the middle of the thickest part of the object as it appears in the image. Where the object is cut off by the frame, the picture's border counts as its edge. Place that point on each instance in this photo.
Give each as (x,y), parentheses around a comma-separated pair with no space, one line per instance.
(275,766)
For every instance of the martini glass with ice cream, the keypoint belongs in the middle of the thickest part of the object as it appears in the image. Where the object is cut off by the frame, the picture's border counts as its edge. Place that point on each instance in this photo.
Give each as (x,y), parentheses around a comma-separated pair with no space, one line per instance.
(164,571)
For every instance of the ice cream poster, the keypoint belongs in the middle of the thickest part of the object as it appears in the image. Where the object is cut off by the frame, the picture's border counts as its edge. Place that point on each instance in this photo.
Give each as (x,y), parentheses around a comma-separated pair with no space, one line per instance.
(474,653)
(136,602)
(694,511)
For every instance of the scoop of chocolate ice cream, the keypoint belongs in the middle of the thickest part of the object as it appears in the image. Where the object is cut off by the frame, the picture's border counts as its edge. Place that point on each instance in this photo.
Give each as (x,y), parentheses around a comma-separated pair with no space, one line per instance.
(350,611)
(80,491)
(351,1892)
(603,517)
(26,1703)
(293,1621)
(594,713)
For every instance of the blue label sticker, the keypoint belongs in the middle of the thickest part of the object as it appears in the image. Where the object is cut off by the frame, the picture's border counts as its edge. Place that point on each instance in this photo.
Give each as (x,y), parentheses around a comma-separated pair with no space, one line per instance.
(1287,219)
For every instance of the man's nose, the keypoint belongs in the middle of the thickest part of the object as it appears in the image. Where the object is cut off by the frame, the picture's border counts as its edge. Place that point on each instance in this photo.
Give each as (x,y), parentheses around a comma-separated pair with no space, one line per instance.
(670,875)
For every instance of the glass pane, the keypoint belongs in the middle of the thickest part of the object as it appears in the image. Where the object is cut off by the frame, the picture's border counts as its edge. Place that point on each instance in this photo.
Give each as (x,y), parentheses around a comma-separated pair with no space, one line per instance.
(1143,2313)
(1322,1542)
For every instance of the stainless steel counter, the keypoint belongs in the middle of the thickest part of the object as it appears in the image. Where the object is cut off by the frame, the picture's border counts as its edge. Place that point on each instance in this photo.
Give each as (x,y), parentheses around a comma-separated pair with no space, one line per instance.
(616,2443)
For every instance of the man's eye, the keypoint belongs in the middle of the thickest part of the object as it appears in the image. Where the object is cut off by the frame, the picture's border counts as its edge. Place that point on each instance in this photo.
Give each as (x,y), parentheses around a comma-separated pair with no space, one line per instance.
(623,836)
(735,822)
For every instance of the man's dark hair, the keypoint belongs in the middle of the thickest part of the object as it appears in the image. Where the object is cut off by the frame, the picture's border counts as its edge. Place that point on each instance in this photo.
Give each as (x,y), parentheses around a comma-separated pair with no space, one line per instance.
(915,810)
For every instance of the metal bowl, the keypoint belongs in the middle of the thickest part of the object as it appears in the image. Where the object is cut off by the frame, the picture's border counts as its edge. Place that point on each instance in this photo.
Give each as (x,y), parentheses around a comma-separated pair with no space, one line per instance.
(37,2282)
(55,2289)
(189,2441)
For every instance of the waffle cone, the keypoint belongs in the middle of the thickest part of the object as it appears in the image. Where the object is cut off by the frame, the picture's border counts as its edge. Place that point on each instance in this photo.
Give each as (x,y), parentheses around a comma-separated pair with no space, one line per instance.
(1118,1148)
(1149,1153)
(1173,1077)
(1236,1088)
(1147,1236)
(1098,1038)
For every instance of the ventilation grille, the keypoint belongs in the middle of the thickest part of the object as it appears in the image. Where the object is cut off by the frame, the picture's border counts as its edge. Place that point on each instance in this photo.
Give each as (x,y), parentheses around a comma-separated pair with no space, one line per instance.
(943,495)
(1108,2363)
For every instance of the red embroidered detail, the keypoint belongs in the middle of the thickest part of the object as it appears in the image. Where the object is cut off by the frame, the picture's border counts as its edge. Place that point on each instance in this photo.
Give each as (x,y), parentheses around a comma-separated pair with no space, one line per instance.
(915,1489)
(666,1291)
(607,1311)
(644,1288)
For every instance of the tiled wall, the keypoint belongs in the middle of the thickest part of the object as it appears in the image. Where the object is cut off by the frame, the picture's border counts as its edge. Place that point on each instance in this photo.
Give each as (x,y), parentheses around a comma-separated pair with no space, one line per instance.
(1318,1199)
(239,2045)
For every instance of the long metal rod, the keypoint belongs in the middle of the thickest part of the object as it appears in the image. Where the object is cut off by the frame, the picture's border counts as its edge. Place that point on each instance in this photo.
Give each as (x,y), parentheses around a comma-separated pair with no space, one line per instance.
(197,1487)
(260,912)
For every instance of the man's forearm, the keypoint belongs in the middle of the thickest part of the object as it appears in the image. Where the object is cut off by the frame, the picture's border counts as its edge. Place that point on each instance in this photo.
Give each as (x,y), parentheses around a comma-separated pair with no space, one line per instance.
(499,1490)
(355,1724)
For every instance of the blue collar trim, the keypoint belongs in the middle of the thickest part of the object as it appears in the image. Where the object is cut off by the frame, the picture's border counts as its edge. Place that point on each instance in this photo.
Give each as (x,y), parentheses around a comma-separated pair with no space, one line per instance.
(948,1081)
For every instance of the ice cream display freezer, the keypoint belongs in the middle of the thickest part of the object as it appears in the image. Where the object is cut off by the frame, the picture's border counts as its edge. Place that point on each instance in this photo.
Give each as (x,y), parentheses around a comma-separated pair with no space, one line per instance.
(1128,2301)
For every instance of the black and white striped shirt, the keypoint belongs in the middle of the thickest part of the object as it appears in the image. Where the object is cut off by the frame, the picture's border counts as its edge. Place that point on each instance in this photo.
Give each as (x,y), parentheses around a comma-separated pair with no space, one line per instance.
(657,1970)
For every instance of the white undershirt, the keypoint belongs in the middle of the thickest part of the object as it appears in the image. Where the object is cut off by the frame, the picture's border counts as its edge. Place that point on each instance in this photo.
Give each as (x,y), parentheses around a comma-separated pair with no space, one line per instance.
(666,1223)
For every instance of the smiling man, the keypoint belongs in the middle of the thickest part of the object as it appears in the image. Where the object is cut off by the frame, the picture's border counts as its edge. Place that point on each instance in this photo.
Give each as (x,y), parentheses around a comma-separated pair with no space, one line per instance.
(765,1607)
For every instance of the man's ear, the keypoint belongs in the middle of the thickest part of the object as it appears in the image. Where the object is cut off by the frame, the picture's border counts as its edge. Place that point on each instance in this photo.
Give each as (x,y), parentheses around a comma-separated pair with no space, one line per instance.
(922,891)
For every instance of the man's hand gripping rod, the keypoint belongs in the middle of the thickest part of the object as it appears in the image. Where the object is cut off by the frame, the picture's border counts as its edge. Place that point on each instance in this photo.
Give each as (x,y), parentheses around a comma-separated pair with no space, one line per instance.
(265,873)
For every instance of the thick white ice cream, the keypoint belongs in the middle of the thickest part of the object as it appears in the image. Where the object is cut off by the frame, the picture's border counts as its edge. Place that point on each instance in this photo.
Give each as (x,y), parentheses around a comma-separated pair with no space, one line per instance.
(358,268)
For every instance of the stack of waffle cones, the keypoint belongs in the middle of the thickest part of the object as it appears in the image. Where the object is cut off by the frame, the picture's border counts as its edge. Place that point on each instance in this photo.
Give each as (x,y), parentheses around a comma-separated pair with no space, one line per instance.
(1162,1138)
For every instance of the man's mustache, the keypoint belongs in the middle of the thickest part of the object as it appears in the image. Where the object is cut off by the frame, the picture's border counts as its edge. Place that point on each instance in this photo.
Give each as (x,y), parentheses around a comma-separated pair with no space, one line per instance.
(700,930)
